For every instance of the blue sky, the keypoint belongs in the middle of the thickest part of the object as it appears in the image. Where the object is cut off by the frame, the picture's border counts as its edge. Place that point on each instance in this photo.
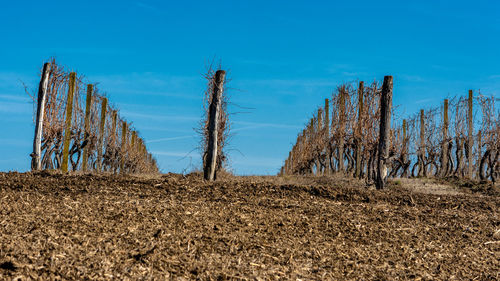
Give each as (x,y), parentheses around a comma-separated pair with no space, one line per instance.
(284,58)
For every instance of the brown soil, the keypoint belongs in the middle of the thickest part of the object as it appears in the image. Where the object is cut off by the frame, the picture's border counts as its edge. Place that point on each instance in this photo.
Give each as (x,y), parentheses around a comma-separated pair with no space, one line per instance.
(107,227)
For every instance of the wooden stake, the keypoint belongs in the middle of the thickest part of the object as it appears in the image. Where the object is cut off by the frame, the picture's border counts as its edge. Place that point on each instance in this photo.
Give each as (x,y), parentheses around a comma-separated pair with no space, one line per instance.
(102,132)
(385,126)
(444,148)
(327,137)
(211,153)
(479,152)
(124,147)
(421,170)
(319,122)
(358,141)
(470,142)
(88,105)
(69,116)
(341,129)
(405,147)
(36,156)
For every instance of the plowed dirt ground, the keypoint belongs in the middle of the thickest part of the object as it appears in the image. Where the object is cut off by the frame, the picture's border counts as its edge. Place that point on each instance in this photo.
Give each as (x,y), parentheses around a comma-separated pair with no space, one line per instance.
(55,226)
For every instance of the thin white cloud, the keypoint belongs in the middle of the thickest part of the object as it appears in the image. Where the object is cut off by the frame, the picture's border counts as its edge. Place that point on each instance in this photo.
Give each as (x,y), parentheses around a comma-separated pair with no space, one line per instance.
(19,98)
(412,78)
(170,139)
(159,117)
(16,107)
(173,153)
(255,125)
(423,100)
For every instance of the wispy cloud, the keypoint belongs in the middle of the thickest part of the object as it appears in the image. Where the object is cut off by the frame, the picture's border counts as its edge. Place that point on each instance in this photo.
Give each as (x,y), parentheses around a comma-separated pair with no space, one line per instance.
(152,84)
(158,117)
(170,139)
(18,98)
(411,78)
(257,125)
(16,107)
(423,101)
(174,153)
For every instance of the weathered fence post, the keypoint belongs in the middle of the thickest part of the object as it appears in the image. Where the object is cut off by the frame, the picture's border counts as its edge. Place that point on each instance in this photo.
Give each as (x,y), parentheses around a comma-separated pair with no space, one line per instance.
(319,122)
(69,116)
(479,153)
(123,147)
(327,137)
(404,151)
(36,156)
(341,129)
(385,126)
(421,156)
(104,109)
(470,140)
(213,112)
(444,146)
(311,135)
(88,105)
(357,173)
(113,140)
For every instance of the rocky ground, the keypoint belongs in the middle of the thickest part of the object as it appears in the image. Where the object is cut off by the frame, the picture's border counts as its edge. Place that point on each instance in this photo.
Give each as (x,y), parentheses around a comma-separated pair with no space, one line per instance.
(55,226)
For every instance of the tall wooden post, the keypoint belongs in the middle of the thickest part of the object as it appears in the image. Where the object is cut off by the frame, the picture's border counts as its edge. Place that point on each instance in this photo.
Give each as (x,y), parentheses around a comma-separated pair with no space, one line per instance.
(102,132)
(327,137)
(319,123)
(404,151)
(311,135)
(341,129)
(444,148)
(470,141)
(357,172)
(133,144)
(211,153)
(113,139)
(421,170)
(36,156)
(123,147)
(88,106)
(69,116)
(479,153)
(385,126)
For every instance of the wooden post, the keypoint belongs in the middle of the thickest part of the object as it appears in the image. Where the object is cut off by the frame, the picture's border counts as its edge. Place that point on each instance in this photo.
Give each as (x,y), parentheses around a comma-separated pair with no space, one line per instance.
(113,127)
(470,141)
(289,164)
(319,122)
(102,132)
(88,106)
(479,152)
(385,126)
(444,148)
(113,139)
(327,137)
(36,156)
(341,129)
(357,172)
(405,148)
(211,153)
(421,170)
(311,138)
(133,143)
(123,147)
(69,116)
